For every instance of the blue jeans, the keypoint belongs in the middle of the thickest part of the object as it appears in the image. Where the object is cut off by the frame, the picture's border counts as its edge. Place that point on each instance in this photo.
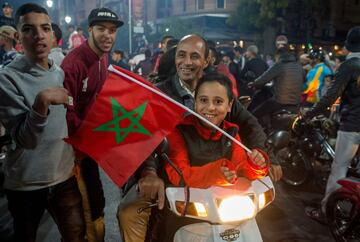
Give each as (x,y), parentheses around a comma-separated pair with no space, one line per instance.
(346,147)
(63,201)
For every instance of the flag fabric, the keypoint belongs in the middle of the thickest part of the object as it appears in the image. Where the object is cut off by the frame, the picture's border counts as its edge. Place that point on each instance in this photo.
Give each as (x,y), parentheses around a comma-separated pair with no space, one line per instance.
(127,121)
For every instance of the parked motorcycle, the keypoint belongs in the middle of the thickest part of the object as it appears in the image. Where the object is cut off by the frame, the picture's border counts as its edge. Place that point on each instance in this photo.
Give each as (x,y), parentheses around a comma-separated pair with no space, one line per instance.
(308,152)
(343,210)
(214,214)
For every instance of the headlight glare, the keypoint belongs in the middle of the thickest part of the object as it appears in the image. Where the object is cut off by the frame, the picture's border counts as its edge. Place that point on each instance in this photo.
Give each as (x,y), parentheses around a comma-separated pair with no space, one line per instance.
(236,208)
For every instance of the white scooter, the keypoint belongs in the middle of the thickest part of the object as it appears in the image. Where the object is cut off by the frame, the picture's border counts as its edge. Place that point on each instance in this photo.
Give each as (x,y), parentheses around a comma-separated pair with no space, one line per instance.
(216,213)
(224,213)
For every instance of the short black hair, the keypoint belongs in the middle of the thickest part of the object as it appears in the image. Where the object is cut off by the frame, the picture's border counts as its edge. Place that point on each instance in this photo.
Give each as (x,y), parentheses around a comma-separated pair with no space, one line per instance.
(57,31)
(219,78)
(119,52)
(147,53)
(28,8)
(166,37)
(239,49)
(171,43)
(202,38)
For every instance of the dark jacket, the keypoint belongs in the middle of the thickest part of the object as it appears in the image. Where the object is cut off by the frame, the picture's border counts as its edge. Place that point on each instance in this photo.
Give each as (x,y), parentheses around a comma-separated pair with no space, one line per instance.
(251,131)
(288,80)
(346,84)
(253,69)
(85,74)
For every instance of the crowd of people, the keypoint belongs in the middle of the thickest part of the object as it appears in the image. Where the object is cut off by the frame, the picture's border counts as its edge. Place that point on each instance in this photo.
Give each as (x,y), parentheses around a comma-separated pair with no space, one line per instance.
(46,93)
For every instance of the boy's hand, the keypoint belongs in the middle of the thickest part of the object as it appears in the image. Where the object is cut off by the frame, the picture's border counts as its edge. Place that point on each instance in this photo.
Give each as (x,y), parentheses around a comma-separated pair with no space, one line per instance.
(257,158)
(230,175)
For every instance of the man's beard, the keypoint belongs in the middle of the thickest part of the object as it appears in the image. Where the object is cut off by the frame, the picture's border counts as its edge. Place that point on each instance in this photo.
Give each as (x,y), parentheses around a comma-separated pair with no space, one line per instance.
(98,46)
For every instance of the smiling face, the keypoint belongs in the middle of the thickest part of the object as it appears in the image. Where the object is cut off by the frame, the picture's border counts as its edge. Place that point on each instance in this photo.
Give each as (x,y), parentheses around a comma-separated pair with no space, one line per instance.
(35,34)
(212,102)
(102,37)
(190,59)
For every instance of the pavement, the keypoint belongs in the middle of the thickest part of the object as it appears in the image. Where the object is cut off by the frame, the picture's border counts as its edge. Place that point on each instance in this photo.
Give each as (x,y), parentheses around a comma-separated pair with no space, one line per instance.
(283,221)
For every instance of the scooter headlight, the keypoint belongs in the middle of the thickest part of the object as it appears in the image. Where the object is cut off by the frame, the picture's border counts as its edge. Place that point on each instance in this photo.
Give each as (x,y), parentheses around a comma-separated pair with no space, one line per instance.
(236,208)
(194,209)
(266,198)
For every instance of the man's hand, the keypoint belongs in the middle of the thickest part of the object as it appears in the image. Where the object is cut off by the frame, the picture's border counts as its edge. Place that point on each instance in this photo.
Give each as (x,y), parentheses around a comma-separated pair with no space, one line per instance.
(151,186)
(275,172)
(257,158)
(50,96)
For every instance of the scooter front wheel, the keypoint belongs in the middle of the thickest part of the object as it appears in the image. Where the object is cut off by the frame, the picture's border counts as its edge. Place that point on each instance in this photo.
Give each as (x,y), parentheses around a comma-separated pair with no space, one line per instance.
(294,166)
(343,216)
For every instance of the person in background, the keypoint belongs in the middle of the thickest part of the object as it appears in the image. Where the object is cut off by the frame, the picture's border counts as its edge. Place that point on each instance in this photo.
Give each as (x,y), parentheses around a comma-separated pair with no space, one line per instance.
(6,18)
(239,58)
(137,58)
(117,58)
(346,84)
(315,78)
(253,68)
(71,31)
(39,169)
(163,48)
(287,76)
(7,43)
(56,53)
(145,67)
(77,38)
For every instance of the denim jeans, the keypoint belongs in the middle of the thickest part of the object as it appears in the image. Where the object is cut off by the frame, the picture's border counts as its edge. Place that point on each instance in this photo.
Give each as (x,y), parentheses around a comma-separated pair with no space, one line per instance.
(63,202)
(346,147)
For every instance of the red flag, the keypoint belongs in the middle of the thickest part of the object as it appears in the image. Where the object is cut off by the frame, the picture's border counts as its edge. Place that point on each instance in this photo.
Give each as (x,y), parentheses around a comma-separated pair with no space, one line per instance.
(125,124)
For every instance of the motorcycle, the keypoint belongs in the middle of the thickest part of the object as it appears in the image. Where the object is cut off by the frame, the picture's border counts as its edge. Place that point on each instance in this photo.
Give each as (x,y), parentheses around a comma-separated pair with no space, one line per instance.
(343,208)
(214,214)
(343,211)
(309,152)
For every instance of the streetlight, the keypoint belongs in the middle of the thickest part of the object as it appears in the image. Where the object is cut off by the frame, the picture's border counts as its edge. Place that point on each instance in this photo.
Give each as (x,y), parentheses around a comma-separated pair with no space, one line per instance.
(49,3)
(67,19)
(167,30)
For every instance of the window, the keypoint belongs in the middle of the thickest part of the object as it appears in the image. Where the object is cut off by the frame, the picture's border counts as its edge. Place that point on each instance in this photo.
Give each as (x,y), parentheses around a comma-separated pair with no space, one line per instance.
(220,3)
(184,5)
(200,4)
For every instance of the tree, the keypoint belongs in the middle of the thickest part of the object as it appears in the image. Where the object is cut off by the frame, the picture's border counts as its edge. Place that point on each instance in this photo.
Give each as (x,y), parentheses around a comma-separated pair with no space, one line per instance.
(263,16)
(271,17)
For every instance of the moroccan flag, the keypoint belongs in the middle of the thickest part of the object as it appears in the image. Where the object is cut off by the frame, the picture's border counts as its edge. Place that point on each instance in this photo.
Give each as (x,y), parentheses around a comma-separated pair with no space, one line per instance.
(128,120)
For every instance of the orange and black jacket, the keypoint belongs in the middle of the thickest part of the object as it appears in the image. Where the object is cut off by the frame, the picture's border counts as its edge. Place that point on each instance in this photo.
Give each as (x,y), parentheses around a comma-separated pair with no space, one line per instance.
(199,152)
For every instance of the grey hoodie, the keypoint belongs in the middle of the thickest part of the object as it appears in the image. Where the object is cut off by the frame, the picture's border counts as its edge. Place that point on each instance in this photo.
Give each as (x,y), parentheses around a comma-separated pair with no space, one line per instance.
(39,157)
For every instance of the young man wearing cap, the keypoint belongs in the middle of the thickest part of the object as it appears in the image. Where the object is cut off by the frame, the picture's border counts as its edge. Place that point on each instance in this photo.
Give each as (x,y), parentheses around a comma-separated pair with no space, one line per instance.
(7,42)
(39,167)
(346,84)
(85,72)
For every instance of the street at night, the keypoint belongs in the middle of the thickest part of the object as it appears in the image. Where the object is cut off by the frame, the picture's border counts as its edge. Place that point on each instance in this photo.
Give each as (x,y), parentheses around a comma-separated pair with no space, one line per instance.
(283,221)
(193,94)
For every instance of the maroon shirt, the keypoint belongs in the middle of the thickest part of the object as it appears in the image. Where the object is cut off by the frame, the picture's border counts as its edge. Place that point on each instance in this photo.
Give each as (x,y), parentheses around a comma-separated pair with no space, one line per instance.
(85,74)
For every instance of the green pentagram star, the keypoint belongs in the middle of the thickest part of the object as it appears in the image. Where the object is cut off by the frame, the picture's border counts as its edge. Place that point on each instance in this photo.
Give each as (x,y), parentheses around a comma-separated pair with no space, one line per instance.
(134,116)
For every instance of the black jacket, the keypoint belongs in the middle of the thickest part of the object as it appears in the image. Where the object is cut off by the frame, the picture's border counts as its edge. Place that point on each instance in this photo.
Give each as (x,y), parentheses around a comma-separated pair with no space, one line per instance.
(346,84)
(253,69)
(288,80)
(251,132)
